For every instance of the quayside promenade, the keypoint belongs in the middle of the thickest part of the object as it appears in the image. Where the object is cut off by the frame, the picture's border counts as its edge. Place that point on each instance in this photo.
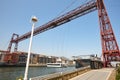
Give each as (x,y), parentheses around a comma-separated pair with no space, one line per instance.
(79,74)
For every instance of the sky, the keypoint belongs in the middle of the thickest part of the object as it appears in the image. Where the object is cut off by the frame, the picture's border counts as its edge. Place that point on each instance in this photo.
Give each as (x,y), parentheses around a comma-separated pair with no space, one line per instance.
(80,36)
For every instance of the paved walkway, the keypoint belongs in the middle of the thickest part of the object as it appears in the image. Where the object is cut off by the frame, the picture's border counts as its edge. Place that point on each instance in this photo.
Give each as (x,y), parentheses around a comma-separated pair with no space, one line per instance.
(98,74)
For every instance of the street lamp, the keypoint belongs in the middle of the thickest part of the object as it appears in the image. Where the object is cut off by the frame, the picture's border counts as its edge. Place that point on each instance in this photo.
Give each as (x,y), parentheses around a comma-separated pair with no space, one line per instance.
(34,20)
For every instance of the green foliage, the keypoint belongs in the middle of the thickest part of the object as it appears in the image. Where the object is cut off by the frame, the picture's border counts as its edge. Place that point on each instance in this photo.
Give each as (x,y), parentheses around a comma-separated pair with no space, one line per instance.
(118,77)
(118,73)
(19,78)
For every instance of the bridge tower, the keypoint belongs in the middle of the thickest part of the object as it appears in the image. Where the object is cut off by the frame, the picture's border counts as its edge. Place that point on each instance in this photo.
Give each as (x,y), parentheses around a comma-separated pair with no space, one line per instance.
(12,41)
(110,49)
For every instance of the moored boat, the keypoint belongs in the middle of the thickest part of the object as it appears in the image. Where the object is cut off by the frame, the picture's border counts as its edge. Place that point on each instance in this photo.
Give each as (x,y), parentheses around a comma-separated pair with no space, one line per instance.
(59,63)
(56,65)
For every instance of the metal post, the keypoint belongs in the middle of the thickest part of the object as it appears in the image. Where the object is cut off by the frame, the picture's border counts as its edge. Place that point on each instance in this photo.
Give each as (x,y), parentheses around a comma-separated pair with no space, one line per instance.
(34,19)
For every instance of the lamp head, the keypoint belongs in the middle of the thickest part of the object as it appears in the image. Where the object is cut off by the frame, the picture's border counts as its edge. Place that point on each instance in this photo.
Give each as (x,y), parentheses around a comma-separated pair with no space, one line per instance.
(34,19)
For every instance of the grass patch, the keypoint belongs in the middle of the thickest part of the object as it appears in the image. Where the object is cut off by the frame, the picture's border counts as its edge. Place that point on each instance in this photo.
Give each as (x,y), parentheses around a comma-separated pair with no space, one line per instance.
(118,73)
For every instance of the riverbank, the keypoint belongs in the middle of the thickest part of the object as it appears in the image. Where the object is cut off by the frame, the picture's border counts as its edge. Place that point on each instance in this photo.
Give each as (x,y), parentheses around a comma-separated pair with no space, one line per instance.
(37,65)
(65,75)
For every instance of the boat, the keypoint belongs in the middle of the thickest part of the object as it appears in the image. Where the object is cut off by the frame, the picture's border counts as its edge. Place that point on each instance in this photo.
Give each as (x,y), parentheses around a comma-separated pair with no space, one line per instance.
(59,63)
(56,65)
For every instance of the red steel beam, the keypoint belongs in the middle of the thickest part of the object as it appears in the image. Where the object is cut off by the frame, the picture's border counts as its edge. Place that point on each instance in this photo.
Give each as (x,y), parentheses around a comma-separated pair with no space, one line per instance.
(79,11)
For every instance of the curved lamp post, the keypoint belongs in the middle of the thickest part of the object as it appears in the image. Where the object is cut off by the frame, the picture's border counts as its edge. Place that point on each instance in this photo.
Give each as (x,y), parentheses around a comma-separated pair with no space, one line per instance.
(34,20)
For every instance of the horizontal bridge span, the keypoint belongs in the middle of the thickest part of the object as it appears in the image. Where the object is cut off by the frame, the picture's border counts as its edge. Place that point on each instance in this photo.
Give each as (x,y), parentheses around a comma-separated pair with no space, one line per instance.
(75,13)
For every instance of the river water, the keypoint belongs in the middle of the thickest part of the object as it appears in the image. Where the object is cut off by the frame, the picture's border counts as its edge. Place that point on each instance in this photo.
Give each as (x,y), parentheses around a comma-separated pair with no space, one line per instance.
(12,73)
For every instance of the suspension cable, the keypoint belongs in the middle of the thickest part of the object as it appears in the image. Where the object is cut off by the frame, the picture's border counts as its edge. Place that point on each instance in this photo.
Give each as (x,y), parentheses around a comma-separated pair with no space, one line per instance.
(73,2)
